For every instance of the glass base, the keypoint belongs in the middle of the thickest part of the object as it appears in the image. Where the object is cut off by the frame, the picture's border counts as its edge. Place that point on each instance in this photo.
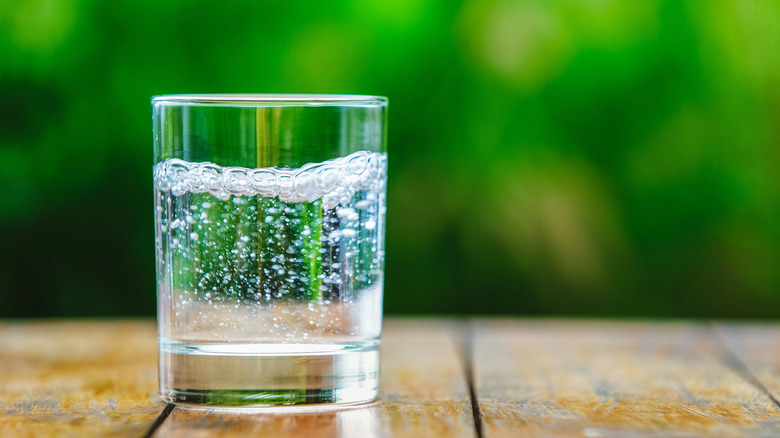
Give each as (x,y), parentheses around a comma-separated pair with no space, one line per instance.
(215,375)
(260,398)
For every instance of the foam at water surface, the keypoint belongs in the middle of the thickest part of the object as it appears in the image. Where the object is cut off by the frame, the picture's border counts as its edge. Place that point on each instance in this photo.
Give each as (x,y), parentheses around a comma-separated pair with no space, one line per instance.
(335,181)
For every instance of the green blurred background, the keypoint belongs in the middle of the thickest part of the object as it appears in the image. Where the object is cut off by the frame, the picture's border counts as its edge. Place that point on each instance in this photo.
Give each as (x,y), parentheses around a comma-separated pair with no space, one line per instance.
(567,157)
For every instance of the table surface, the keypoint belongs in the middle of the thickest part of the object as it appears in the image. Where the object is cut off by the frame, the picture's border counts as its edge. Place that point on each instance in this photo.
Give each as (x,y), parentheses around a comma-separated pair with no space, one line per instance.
(454,378)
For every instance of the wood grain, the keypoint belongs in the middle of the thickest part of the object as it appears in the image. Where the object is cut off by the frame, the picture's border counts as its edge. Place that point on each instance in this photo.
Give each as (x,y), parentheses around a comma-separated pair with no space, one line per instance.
(756,348)
(532,378)
(588,378)
(78,378)
(423,394)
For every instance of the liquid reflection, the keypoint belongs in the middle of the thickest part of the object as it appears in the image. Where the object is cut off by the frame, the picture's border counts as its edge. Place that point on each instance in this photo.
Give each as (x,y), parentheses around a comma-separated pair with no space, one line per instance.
(360,423)
(363,421)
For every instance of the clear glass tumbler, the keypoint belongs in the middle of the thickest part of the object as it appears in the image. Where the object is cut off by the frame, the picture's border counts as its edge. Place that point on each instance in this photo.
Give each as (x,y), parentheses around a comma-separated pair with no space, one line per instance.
(269,214)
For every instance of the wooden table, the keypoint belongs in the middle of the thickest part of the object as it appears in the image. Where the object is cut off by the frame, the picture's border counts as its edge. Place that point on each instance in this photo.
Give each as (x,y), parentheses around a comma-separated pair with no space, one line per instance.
(443,378)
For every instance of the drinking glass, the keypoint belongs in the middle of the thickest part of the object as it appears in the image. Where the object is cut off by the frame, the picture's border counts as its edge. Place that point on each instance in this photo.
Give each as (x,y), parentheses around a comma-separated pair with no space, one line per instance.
(269,220)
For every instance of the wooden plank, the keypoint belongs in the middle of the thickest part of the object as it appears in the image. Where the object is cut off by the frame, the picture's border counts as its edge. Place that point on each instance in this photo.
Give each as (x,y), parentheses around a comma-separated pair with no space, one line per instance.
(589,378)
(423,394)
(756,348)
(78,378)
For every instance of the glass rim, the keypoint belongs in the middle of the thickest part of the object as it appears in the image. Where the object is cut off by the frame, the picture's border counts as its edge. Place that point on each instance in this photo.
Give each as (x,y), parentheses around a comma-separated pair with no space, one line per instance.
(270,99)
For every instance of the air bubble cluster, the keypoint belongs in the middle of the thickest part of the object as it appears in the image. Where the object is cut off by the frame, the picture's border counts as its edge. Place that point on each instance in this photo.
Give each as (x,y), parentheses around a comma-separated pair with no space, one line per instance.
(335,181)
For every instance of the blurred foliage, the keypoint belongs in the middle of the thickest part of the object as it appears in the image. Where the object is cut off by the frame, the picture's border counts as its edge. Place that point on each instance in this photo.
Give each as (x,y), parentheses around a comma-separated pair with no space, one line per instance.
(592,157)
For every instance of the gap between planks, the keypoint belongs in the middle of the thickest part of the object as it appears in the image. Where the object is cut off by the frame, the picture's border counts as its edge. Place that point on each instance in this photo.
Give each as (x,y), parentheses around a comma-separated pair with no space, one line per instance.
(466,342)
(160,419)
(731,360)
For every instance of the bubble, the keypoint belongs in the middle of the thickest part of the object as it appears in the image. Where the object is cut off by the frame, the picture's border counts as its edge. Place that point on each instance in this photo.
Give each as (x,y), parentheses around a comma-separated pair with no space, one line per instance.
(328,178)
(178,190)
(344,212)
(307,185)
(194,236)
(329,202)
(357,164)
(161,178)
(362,205)
(348,233)
(284,185)
(264,182)
(222,195)
(370,224)
(236,180)
(210,176)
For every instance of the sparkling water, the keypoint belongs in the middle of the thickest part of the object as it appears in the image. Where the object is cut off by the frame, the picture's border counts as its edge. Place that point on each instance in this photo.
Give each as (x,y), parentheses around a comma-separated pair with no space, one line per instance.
(270,281)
